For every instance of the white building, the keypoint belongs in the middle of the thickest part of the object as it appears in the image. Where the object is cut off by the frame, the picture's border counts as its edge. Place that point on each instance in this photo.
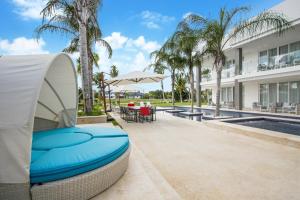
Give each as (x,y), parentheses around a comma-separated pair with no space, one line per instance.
(263,69)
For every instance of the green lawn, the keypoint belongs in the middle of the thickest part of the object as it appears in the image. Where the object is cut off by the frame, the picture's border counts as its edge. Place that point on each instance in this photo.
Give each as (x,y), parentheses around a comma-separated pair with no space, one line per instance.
(154,102)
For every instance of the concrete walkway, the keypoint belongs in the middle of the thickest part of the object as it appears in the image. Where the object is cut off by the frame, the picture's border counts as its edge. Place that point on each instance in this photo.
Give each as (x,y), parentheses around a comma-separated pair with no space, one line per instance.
(176,158)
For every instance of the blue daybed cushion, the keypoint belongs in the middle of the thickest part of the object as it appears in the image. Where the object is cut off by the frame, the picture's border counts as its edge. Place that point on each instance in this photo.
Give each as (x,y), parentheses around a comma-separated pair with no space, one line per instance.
(66,152)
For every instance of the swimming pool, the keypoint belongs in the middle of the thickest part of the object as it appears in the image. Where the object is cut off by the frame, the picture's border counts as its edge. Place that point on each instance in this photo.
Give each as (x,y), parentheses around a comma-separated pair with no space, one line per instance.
(272,124)
(229,113)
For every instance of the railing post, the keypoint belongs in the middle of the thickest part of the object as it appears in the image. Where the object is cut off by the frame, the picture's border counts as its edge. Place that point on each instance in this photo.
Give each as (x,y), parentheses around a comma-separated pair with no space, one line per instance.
(238,86)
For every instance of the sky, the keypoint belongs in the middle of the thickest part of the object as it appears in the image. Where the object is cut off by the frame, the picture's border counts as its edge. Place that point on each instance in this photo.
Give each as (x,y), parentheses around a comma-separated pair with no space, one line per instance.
(134,28)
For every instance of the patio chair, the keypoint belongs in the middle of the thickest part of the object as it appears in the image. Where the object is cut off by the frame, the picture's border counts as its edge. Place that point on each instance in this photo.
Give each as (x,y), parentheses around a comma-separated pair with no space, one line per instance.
(153,113)
(148,104)
(142,104)
(279,107)
(293,108)
(145,114)
(286,107)
(262,67)
(130,104)
(128,115)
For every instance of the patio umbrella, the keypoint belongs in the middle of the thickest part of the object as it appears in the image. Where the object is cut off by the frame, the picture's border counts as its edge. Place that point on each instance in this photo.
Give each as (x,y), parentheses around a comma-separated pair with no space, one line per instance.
(135,77)
(125,88)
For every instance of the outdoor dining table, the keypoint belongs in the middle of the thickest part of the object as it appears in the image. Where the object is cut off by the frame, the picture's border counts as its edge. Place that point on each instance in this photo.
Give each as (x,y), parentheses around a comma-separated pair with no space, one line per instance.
(136,110)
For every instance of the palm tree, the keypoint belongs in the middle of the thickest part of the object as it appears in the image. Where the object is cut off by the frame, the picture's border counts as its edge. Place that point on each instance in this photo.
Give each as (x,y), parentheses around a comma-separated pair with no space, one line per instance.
(169,55)
(219,32)
(188,40)
(180,84)
(158,68)
(114,72)
(77,18)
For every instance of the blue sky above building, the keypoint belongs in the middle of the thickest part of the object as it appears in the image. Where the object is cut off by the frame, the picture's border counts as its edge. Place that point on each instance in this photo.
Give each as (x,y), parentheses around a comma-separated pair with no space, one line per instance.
(133,27)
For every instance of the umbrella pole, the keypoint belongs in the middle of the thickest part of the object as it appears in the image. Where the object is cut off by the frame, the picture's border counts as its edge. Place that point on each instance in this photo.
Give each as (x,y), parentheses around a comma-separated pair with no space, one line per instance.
(109,98)
(103,91)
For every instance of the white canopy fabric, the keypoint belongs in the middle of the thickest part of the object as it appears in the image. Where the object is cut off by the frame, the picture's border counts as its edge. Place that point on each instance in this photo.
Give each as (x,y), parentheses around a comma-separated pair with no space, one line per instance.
(37,92)
(125,88)
(135,77)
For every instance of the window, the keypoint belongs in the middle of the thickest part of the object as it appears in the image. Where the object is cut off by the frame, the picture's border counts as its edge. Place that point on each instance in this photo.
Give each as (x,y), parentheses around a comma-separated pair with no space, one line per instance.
(283,49)
(227,94)
(223,94)
(272,93)
(263,94)
(272,56)
(229,64)
(263,58)
(295,92)
(295,53)
(283,92)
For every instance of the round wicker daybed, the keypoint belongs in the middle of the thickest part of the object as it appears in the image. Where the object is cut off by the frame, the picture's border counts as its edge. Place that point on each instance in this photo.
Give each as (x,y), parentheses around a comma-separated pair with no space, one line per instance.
(43,155)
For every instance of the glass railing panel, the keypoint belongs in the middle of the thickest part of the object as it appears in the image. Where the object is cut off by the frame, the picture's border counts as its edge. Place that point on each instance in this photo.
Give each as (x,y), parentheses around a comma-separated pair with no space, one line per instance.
(229,72)
(281,61)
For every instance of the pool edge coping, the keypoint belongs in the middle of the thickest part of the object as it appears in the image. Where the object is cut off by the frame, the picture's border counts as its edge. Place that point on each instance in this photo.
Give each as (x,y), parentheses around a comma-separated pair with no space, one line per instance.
(267,135)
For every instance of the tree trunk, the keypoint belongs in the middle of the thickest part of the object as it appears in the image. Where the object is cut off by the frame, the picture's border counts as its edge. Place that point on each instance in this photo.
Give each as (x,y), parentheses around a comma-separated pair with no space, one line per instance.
(85,69)
(219,74)
(180,93)
(192,87)
(162,89)
(91,79)
(173,83)
(198,86)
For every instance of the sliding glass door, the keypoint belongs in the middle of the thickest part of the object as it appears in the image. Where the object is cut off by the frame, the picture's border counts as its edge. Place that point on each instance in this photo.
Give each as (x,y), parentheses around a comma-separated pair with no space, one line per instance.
(227,94)
(272,93)
(263,94)
(284,92)
(295,92)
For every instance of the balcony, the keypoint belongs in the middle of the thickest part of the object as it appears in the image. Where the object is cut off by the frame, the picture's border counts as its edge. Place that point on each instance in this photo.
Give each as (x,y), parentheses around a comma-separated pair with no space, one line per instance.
(206,77)
(212,76)
(228,72)
(273,63)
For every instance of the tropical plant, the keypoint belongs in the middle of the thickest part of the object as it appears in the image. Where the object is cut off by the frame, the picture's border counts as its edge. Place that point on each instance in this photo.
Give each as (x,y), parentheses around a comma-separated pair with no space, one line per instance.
(114,72)
(77,18)
(158,68)
(169,56)
(188,40)
(180,84)
(220,31)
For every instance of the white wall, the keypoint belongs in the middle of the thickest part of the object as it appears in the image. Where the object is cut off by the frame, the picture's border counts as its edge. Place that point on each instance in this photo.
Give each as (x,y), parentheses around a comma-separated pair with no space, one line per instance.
(250,94)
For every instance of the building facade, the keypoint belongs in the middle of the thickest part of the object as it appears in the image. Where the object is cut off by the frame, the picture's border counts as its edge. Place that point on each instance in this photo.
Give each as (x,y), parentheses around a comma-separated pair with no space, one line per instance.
(263,70)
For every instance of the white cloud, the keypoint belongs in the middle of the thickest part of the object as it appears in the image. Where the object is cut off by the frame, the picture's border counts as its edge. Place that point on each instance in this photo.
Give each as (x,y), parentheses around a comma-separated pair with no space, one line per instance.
(186,14)
(116,40)
(131,54)
(154,20)
(151,25)
(29,9)
(22,45)
(119,41)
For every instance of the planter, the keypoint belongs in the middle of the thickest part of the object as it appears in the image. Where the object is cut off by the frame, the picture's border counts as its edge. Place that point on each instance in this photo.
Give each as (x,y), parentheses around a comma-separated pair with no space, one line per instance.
(92,119)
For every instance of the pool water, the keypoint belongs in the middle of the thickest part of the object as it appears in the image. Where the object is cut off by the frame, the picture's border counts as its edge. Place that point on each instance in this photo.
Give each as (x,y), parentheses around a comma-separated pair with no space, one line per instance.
(271,124)
(229,113)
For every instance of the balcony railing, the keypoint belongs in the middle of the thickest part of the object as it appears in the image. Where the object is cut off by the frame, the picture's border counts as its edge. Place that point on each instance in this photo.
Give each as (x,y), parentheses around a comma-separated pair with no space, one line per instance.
(206,77)
(229,72)
(275,62)
(226,73)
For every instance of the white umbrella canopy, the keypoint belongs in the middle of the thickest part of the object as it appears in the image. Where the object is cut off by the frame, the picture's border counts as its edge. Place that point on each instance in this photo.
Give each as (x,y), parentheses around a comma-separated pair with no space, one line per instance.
(135,77)
(125,88)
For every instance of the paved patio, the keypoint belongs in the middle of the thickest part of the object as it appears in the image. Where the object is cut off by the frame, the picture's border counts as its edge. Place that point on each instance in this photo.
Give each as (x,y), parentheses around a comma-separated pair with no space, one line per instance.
(175,157)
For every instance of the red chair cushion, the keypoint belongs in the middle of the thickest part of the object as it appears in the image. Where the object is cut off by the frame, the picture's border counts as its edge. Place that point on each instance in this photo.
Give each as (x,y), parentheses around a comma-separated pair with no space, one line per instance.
(144,111)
